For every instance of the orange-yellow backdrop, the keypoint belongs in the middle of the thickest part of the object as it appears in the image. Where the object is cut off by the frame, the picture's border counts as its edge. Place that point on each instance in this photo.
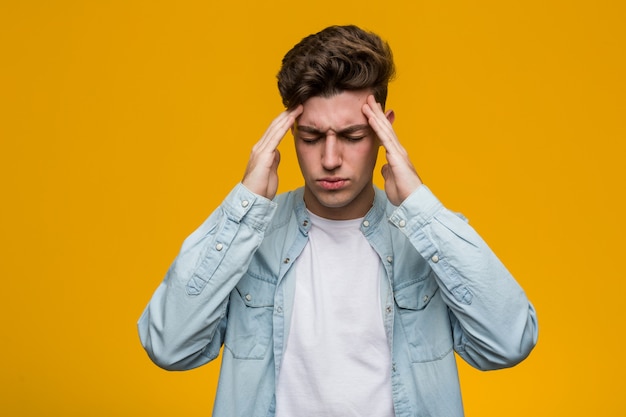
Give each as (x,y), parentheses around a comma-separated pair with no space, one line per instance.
(124,123)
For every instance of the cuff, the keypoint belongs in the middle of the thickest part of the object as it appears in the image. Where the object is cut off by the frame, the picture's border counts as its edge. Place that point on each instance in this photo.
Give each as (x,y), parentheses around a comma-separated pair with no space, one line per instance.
(416,211)
(243,206)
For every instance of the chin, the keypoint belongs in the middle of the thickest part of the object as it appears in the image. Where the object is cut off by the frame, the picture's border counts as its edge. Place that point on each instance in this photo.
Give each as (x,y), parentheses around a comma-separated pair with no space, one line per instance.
(334,199)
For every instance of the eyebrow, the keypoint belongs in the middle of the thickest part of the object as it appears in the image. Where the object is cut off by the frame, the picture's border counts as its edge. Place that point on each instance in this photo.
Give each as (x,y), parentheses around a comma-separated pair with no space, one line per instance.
(346,131)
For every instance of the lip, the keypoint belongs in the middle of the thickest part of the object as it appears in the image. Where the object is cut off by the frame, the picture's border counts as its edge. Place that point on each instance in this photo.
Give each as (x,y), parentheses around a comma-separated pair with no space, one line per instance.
(332,183)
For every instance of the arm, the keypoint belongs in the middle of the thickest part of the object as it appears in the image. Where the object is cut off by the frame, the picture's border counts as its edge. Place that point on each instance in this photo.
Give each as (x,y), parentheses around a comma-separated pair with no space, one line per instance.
(493,323)
(183,325)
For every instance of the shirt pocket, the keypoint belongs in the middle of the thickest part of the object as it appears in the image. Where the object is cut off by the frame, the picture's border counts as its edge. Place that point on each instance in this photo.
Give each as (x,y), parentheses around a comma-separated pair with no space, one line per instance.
(250,315)
(424,318)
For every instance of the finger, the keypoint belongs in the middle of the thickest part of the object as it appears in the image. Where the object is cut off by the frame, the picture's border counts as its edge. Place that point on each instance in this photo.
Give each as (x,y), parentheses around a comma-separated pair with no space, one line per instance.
(272,131)
(374,112)
(278,128)
(284,125)
(382,126)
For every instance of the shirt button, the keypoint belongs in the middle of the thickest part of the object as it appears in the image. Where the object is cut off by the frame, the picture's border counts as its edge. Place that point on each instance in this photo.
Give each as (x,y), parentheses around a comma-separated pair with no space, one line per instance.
(305,223)
(390,259)
(279,310)
(366,223)
(248,297)
(402,223)
(435,259)
(287,260)
(425,299)
(388,310)
(245,203)
(219,246)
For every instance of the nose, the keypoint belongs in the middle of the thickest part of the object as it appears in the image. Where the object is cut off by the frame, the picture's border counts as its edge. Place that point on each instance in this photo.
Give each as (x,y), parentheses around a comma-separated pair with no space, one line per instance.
(331,156)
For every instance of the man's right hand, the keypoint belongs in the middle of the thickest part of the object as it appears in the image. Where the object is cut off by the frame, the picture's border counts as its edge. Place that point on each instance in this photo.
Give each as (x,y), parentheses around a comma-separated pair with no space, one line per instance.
(261,175)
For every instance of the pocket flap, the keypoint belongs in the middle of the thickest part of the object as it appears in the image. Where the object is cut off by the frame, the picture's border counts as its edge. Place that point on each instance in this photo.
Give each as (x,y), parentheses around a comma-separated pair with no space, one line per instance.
(255,292)
(416,295)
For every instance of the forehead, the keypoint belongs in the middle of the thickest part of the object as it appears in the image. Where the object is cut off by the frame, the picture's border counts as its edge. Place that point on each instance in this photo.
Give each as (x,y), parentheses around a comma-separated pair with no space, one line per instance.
(336,112)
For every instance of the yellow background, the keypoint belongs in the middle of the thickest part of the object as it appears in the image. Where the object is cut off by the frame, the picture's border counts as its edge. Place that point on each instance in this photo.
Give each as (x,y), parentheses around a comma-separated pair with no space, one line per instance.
(124,123)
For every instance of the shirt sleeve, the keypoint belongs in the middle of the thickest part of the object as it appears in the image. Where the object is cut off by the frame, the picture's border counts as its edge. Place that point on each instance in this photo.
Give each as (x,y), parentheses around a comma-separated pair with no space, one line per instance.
(183,325)
(493,323)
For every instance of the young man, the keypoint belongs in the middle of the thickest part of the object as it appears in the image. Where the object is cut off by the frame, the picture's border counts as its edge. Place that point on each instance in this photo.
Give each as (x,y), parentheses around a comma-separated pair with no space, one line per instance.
(336,299)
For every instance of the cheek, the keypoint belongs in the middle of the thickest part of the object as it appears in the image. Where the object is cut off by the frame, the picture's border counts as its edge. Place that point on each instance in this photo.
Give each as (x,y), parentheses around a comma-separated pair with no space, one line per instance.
(368,154)
(304,155)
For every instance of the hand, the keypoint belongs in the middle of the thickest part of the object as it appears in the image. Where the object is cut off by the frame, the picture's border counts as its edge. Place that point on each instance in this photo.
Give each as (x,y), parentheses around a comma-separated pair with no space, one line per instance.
(401,178)
(261,176)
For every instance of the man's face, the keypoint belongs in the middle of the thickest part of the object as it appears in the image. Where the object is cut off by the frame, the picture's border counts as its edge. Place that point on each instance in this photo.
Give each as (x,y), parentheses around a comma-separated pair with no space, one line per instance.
(337,152)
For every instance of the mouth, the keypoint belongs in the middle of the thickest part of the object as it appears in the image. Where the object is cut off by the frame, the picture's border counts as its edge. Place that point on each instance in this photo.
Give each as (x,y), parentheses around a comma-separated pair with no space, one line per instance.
(332,183)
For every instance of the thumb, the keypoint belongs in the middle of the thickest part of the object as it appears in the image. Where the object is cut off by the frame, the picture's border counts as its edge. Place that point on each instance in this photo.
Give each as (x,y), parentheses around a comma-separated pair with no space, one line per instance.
(276,160)
(385,171)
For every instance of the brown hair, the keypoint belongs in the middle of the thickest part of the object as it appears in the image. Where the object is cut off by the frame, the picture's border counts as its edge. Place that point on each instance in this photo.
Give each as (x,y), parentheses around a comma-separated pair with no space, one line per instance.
(339,58)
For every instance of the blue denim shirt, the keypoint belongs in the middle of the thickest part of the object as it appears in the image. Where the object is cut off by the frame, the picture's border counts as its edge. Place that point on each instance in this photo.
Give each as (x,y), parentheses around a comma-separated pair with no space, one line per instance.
(232,284)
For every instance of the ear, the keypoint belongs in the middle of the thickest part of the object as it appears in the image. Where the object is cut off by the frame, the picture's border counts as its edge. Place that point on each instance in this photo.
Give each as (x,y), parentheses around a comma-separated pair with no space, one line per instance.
(390,115)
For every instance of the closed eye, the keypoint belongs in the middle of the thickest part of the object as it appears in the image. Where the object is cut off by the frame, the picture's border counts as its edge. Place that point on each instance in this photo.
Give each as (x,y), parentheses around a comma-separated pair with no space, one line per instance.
(311,135)
(310,139)
(354,138)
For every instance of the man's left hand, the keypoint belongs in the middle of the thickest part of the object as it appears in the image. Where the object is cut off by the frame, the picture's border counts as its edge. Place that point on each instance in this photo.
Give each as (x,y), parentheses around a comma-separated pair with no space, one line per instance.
(401,178)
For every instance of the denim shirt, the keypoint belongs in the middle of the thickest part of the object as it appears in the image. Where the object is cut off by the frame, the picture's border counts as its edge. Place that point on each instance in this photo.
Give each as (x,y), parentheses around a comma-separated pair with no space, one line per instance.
(232,285)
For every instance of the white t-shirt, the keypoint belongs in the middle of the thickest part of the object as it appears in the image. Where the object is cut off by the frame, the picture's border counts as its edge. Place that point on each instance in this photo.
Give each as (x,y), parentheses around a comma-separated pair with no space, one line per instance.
(336,360)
